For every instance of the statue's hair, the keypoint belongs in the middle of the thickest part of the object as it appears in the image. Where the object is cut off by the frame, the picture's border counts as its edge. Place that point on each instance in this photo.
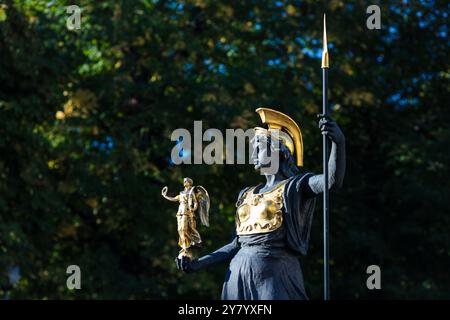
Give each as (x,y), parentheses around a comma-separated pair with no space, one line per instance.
(189,180)
(287,162)
(288,165)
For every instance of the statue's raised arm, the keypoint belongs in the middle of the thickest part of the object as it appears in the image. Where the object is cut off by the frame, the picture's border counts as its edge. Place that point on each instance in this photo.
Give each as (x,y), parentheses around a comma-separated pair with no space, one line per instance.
(336,162)
(173,199)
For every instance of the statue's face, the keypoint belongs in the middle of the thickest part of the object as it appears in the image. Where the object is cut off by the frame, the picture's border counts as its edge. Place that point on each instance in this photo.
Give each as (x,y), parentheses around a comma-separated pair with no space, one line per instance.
(262,155)
(186,183)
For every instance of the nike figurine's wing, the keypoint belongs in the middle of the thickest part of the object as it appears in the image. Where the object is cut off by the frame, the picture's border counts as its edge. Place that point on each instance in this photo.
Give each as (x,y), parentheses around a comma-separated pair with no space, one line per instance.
(203,204)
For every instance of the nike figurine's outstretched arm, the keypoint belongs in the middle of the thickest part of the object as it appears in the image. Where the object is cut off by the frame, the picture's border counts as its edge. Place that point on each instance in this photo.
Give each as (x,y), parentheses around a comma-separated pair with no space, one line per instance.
(164,194)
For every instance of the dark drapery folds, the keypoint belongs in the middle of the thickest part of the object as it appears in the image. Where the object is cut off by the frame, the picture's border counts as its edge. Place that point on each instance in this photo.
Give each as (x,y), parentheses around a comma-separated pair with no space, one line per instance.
(299,208)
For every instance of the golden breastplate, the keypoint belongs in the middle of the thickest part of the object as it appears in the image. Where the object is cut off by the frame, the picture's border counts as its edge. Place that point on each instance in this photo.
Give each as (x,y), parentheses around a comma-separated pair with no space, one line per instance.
(259,213)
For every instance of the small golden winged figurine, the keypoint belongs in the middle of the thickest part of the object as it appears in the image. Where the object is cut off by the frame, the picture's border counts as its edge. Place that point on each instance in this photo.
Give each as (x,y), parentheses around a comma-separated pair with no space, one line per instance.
(192,199)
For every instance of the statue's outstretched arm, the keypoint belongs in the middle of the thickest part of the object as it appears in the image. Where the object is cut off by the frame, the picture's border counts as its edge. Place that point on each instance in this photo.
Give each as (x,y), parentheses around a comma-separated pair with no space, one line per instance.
(174,199)
(164,194)
(336,162)
(224,254)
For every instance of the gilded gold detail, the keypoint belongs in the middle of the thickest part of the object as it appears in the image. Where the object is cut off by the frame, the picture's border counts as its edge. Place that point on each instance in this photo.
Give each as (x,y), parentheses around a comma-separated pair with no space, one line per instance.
(325,60)
(260,213)
(192,200)
(288,131)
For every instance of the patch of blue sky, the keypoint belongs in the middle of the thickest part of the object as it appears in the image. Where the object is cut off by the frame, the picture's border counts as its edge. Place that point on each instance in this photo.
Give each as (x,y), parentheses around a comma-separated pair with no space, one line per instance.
(175,5)
(394,98)
(279,3)
(402,8)
(14,274)
(273,42)
(274,62)
(427,3)
(217,68)
(187,67)
(392,34)
(427,75)
(314,53)
(401,102)
(207,61)
(292,58)
(110,142)
(443,31)
(172,4)
(221,68)
(393,30)
(105,145)
(396,9)
(309,86)
(312,47)
(423,77)
(423,24)
(442,34)
(301,41)
(226,46)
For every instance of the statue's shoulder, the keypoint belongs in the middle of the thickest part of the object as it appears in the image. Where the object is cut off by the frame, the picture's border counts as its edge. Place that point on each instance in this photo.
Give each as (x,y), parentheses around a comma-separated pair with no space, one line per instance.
(298,180)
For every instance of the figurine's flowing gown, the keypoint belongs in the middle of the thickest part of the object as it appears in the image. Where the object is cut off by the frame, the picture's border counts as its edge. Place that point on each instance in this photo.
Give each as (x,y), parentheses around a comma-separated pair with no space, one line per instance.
(266,265)
(187,228)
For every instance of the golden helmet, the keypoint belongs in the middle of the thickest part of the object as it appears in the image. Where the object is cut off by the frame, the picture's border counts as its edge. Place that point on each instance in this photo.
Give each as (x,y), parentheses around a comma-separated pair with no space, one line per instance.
(288,131)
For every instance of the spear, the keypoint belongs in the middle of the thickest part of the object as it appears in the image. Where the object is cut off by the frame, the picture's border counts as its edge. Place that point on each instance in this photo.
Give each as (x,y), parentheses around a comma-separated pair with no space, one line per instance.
(326,209)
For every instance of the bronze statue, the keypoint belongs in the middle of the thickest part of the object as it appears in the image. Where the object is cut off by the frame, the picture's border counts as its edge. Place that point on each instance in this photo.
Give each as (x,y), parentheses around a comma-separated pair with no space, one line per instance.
(273,219)
(192,199)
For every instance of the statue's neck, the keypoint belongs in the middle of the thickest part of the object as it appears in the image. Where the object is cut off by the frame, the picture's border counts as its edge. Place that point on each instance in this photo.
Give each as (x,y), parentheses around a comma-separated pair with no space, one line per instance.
(272,180)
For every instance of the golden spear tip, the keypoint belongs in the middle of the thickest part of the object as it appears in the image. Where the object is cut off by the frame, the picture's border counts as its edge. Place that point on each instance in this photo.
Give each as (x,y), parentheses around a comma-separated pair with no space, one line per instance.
(325,62)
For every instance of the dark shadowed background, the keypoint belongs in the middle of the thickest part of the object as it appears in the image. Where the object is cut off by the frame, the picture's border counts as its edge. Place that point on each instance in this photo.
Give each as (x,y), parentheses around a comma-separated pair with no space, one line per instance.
(86,117)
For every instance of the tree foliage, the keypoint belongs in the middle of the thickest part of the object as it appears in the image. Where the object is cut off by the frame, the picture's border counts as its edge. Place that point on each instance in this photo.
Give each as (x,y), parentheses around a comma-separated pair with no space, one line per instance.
(86,117)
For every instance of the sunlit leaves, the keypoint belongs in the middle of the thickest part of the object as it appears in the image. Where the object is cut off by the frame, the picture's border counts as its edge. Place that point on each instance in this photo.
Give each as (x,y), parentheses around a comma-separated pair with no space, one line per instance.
(87,116)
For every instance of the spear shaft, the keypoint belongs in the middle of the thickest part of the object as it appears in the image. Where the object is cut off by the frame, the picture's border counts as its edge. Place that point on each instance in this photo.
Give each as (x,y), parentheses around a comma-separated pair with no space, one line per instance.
(326,198)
